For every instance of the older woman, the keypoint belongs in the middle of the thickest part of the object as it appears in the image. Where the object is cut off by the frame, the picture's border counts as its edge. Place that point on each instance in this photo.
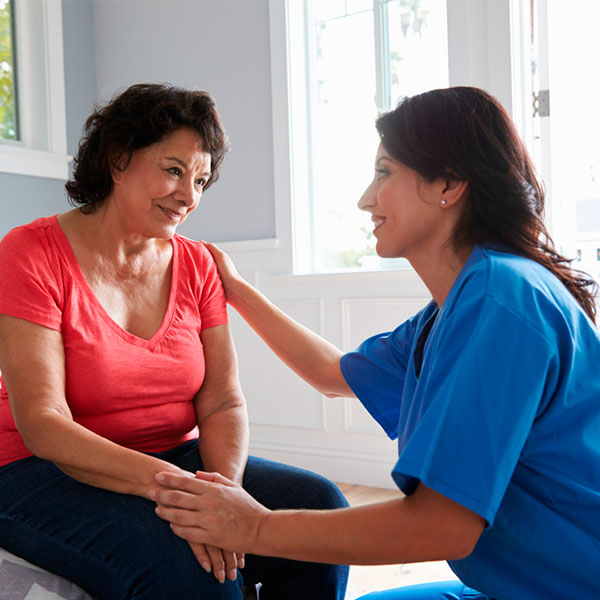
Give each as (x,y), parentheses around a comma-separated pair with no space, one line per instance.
(118,364)
(492,389)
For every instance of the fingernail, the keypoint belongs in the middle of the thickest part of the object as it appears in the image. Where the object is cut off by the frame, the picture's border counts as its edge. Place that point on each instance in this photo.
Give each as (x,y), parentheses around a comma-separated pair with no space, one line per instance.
(232,574)
(206,566)
(159,477)
(152,494)
(220,575)
(241,563)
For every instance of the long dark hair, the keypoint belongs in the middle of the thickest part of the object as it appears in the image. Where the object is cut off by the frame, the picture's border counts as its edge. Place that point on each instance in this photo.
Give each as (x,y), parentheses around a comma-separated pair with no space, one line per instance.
(465,133)
(138,117)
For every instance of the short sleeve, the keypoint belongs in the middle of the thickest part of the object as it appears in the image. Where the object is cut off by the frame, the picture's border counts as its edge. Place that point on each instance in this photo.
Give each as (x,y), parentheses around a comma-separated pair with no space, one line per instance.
(376,371)
(29,287)
(213,306)
(480,390)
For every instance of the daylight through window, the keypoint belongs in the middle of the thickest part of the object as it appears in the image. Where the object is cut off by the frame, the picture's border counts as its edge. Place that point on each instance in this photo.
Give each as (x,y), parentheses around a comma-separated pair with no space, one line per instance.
(8,93)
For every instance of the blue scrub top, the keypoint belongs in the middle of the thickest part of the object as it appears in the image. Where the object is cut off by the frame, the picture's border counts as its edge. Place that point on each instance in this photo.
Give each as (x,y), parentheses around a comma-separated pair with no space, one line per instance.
(502,415)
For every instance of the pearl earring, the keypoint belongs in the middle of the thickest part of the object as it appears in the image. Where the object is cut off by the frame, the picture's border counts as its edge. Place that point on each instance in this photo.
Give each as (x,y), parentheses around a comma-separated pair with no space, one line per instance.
(443,202)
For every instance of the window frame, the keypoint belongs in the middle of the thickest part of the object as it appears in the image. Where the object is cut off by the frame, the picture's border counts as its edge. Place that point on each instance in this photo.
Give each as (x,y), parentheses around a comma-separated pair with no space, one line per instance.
(479,54)
(42,148)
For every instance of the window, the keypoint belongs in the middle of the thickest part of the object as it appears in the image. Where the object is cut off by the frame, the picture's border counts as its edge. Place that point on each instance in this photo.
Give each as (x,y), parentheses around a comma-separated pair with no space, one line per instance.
(33,137)
(357,58)
(8,96)
(566,124)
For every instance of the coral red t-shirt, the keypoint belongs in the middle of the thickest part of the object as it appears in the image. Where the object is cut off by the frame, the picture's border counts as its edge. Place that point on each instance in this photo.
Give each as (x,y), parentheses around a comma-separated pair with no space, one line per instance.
(138,393)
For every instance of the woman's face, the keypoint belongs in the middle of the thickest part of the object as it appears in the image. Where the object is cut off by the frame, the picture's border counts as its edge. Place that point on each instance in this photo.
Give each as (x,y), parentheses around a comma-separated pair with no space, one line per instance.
(404,208)
(161,185)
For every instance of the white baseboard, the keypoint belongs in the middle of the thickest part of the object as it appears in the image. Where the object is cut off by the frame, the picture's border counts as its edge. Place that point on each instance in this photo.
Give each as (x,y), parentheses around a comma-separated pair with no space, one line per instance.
(338,465)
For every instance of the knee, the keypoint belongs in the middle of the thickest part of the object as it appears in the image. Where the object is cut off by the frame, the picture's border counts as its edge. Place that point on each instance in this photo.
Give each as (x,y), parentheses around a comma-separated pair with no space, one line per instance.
(327,494)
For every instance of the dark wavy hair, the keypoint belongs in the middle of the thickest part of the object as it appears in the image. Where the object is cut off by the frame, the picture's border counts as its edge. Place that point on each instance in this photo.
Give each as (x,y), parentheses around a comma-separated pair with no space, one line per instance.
(138,117)
(465,133)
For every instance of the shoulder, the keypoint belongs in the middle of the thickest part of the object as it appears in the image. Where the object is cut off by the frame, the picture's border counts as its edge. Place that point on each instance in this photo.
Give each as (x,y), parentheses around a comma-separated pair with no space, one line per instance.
(28,240)
(195,261)
(192,248)
(522,290)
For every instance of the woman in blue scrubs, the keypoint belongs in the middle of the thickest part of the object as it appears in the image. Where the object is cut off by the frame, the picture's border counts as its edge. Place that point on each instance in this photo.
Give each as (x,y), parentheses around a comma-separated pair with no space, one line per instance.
(492,390)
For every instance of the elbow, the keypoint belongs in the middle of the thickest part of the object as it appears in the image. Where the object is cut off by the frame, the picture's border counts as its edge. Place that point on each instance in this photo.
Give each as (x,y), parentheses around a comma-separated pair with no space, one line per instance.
(36,435)
(464,543)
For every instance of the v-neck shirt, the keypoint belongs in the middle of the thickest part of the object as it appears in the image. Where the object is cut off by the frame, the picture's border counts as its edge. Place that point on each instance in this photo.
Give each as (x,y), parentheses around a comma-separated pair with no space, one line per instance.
(136,392)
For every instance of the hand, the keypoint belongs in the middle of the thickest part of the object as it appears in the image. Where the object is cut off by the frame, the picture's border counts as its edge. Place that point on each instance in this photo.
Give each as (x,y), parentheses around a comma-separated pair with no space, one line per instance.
(210,510)
(220,562)
(227,271)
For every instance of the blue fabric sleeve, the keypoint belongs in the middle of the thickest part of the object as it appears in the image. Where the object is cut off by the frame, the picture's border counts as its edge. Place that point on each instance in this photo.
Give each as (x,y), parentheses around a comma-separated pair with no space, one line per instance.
(376,370)
(479,393)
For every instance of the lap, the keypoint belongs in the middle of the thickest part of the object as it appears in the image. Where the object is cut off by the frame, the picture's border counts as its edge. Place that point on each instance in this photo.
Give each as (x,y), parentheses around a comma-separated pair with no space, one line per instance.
(114,546)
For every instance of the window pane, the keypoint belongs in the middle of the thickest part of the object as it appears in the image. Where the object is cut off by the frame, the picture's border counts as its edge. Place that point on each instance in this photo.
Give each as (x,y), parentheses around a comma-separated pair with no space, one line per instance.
(574,129)
(417,38)
(8,112)
(344,137)
(344,81)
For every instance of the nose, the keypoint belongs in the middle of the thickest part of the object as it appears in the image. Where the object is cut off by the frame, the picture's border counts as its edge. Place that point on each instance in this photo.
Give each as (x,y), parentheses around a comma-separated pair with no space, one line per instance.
(188,194)
(367,200)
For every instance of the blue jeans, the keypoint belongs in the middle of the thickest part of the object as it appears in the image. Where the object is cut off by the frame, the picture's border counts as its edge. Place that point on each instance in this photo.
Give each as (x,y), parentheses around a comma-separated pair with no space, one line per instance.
(115,547)
(443,590)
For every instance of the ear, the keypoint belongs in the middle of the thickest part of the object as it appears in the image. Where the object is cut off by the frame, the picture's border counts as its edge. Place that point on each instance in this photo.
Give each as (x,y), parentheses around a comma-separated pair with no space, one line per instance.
(453,191)
(117,164)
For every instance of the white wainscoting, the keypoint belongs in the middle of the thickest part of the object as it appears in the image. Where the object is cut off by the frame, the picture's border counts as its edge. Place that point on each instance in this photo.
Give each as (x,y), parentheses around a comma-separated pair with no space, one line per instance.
(291,422)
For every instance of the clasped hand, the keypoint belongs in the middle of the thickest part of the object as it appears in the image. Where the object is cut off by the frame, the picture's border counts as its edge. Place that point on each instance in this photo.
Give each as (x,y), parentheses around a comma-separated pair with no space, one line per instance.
(210,512)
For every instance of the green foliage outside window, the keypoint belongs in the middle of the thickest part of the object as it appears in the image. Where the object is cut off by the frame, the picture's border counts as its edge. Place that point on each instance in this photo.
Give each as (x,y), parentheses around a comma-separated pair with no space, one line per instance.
(8,113)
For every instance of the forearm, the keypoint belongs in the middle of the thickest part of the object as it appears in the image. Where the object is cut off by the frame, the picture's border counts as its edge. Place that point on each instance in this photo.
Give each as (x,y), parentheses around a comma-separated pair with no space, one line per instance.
(313,358)
(92,459)
(386,533)
(223,442)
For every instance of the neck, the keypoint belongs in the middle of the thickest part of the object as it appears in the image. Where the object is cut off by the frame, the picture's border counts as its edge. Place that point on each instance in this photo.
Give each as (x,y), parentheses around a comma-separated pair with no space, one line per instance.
(439,269)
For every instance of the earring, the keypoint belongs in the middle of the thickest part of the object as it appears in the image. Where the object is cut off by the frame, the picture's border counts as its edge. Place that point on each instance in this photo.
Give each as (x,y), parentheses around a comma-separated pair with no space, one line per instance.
(443,202)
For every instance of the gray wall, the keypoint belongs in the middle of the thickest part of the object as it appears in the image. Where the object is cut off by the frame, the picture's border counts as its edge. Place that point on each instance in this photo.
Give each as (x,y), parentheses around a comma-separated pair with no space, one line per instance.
(221,46)
(22,198)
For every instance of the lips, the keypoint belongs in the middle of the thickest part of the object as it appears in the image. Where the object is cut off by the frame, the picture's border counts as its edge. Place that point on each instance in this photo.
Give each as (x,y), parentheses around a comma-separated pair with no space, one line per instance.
(174,215)
(377,222)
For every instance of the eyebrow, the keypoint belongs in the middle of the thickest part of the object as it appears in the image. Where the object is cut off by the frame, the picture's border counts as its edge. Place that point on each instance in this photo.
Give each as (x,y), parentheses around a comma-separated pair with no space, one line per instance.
(383,158)
(184,164)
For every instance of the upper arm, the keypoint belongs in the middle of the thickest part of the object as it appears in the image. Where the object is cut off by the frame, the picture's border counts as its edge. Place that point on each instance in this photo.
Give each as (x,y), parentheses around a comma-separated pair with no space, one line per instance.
(32,362)
(451,528)
(221,388)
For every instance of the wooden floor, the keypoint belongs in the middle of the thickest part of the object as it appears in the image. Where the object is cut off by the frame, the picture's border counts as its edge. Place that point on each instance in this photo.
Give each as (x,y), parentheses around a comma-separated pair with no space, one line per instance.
(371,579)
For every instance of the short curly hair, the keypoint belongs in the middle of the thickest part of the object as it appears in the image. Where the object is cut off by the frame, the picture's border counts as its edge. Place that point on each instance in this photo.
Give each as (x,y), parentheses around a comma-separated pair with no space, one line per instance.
(138,117)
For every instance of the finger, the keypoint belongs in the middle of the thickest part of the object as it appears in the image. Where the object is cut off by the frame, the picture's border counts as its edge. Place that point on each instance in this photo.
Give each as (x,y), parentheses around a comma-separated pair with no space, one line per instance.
(174,498)
(186,483)
(218,562)
(214,477)
(178,516)
(201,555)
(241,560)
(197,535)
(231,564)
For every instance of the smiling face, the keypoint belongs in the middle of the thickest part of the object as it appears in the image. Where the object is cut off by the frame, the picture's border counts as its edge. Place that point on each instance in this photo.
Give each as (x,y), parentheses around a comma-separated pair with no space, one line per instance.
(405,209)
(161,185)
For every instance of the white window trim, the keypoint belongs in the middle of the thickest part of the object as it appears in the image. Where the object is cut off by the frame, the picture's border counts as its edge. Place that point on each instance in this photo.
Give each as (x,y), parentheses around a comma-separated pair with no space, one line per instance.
(42,150)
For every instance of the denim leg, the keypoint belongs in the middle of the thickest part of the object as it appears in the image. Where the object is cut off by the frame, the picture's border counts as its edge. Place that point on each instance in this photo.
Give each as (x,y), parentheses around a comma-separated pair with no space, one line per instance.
(112,545)
(279,486)
(441,590)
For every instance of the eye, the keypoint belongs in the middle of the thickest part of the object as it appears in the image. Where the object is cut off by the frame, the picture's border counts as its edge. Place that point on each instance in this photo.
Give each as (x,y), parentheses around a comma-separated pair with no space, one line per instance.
(174,171)
(381,173)
(201,182)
